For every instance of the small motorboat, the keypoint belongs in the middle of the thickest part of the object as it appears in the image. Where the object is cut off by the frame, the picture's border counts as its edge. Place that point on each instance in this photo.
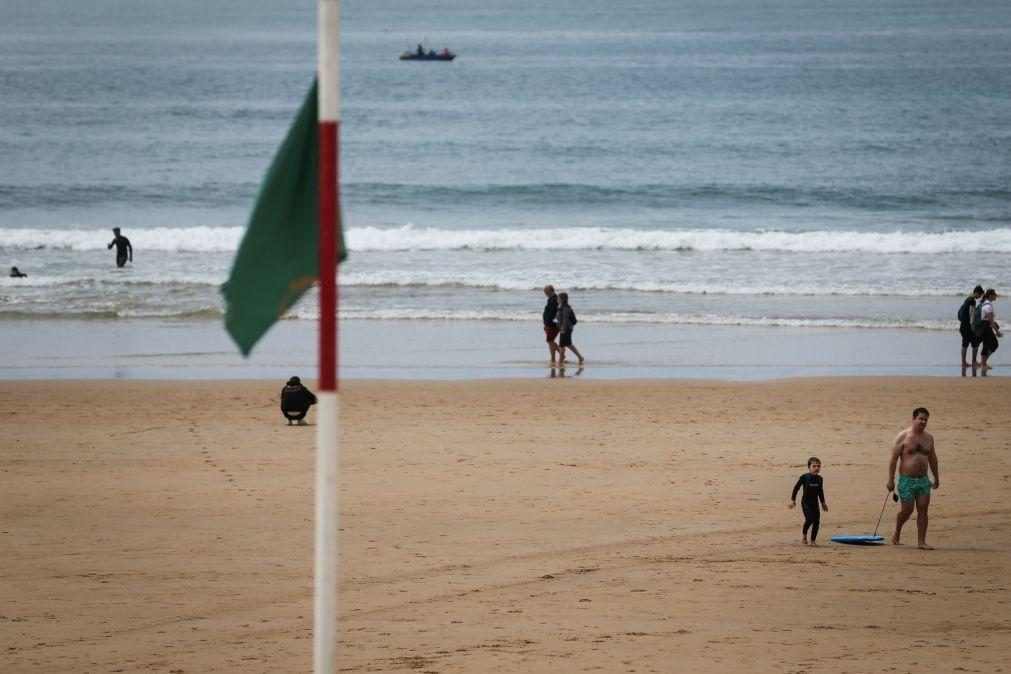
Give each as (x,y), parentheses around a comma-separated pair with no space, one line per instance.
(422,54)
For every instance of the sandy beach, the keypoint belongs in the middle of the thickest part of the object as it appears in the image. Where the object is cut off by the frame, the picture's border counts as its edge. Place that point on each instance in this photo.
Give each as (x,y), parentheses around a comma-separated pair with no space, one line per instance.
(500,526)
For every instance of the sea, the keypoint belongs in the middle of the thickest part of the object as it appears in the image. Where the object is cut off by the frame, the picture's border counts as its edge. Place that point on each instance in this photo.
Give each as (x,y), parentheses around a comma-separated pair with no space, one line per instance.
(724,188)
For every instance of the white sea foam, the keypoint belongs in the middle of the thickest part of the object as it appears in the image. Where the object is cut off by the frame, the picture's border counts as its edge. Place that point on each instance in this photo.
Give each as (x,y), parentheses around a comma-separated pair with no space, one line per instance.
(479,279)
(520,282)
(310,312)
(171,278)
(410,238)
(598,238)
(172,239)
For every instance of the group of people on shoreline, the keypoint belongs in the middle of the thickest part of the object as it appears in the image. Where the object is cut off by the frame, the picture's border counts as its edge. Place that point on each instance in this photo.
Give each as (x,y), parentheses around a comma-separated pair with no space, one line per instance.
(559,322)
(977,324)
(912,454)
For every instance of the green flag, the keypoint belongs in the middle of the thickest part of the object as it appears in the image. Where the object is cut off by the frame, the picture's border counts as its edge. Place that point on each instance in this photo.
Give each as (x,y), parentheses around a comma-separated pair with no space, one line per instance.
(277,259)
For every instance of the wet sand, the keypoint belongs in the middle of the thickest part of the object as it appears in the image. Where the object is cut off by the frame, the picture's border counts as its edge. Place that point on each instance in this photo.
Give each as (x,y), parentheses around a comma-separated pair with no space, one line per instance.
(500,526)
(466,350)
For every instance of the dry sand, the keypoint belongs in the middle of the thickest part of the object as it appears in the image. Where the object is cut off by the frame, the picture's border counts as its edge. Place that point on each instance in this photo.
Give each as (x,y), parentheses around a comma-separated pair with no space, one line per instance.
(500,526)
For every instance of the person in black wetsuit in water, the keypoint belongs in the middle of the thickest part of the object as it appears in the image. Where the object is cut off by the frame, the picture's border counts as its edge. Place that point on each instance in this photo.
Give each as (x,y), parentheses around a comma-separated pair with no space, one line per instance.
(814,491)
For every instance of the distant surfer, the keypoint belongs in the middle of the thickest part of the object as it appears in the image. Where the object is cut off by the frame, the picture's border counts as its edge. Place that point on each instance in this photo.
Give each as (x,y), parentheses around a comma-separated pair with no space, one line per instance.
(913,453)
(16,273)
(124,250)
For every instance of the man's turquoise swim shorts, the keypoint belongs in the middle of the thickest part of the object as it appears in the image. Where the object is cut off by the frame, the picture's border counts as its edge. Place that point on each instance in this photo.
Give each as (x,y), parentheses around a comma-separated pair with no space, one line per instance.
(911,487)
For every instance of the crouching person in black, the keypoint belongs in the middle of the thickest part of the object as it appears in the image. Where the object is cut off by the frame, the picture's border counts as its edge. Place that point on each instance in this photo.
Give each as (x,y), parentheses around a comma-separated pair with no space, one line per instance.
(295,401)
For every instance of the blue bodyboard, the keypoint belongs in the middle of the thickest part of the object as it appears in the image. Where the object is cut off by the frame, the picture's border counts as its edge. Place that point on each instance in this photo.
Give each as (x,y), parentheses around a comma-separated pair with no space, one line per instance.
(859,540)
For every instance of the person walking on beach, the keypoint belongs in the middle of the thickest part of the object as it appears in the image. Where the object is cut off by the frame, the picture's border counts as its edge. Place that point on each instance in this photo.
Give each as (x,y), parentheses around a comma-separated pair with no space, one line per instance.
(814,491)
(550,321)
(566,323)
(990,331)
(965,325)
(913,453)
(123,247)
(296,400)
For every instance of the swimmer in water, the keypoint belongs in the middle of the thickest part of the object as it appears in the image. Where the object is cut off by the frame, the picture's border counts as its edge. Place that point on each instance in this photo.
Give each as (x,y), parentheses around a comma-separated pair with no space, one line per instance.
(123,248)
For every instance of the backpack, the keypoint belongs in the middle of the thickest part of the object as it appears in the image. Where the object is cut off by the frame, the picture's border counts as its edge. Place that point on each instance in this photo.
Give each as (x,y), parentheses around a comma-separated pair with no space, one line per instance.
(976,322)
(963,311)
(574,321)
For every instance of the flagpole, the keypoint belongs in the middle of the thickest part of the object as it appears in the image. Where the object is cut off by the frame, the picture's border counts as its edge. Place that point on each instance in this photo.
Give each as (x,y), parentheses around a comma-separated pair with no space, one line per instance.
(327,435)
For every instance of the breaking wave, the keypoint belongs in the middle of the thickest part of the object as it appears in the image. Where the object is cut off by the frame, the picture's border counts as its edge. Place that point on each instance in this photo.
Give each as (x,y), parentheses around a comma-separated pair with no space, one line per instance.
(411,238)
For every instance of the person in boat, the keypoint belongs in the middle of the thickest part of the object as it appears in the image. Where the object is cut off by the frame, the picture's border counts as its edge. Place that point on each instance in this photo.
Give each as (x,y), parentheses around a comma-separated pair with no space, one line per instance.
(421,50)
(431,52)
(445,51)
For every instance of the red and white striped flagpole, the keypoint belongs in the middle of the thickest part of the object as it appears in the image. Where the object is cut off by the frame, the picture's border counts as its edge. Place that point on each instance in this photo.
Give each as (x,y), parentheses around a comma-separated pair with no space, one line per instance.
(327,433)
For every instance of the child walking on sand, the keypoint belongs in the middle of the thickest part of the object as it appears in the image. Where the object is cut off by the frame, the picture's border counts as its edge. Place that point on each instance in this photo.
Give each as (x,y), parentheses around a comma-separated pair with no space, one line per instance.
(814,491)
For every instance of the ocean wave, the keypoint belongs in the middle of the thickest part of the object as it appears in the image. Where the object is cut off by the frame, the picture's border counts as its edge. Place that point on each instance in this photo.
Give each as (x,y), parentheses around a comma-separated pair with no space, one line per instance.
(169,279)
(411,238)
(663,196)
(310,312)
(170,239)
(212,194)
(480,280)
(655,196)
(574,282)
(618,318)
(620,239)
(97,314)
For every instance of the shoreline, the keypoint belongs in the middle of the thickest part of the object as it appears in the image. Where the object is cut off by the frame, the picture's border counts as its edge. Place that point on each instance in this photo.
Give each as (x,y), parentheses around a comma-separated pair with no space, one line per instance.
(444,350)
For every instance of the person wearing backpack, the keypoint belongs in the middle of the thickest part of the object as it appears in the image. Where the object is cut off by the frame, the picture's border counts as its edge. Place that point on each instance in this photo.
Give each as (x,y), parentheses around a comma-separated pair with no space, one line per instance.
(566,322)
(965,325)
(990,330)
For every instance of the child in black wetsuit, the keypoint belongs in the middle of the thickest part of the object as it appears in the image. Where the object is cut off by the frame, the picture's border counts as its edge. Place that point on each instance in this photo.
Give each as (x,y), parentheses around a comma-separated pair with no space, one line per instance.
(814,491)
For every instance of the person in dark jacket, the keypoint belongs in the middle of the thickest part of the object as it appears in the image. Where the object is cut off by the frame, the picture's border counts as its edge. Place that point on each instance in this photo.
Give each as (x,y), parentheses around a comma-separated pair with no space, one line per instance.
(17,273)
(296,400)
(566,323)
(550,322)
(965,328)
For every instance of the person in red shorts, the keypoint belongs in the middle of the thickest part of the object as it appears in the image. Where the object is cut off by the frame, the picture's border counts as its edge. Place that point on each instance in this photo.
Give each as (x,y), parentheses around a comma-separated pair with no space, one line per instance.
(550,324)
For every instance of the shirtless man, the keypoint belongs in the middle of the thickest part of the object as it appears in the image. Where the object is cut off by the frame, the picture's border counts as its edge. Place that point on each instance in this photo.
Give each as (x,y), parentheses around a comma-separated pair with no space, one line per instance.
(913,452)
